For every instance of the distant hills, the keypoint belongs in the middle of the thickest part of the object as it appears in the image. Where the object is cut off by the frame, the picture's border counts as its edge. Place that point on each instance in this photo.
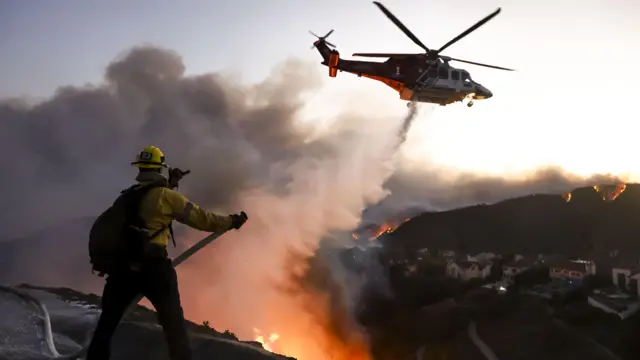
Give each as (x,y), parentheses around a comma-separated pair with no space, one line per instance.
(583,226)
(579,224)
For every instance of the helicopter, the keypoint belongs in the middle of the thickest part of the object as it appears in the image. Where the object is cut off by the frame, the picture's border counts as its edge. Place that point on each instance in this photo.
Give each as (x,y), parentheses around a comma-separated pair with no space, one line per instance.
(420,77)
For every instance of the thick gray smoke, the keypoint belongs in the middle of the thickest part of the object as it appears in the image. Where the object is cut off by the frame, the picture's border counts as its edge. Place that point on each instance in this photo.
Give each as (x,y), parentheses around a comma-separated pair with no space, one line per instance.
(67,158)
(429,189)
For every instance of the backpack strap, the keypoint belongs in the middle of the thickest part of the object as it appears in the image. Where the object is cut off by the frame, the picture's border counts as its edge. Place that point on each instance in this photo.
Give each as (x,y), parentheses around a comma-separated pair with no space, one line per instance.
(130,188)
(173,239)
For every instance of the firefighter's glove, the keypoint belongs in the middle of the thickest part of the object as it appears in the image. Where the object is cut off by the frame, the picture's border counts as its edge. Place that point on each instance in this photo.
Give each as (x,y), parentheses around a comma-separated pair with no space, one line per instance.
(175,175)
(237,220)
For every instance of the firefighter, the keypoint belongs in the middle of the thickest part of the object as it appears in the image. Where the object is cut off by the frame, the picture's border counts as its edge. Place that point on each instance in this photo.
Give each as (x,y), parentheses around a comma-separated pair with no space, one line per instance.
(153,275)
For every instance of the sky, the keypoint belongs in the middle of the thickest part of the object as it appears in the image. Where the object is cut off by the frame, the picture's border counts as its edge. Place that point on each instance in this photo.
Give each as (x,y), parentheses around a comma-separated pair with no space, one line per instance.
(571,102)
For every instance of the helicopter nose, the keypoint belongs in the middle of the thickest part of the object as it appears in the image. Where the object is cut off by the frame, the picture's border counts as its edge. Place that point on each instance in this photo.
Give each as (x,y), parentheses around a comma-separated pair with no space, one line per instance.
(483,93)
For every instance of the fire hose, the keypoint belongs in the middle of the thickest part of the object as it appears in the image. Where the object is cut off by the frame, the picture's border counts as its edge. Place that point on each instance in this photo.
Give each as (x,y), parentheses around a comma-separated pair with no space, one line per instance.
(46,320)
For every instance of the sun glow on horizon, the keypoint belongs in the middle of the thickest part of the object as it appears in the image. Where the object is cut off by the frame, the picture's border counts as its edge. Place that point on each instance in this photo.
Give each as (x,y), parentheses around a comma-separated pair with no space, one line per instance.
(502,137)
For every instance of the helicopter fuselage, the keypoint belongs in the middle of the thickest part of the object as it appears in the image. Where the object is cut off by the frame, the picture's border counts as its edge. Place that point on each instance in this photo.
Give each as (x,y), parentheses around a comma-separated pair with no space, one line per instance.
(423,77)
(415,77)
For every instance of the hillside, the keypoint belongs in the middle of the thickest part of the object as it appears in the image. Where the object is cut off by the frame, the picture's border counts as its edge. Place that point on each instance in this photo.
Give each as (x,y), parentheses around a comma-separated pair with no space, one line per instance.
(543,223)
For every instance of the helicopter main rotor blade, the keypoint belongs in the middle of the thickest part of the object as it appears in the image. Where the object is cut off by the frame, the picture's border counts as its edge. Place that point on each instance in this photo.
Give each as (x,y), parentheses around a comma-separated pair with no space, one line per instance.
(477,63)
(469,30)
(401,26)
(382,55)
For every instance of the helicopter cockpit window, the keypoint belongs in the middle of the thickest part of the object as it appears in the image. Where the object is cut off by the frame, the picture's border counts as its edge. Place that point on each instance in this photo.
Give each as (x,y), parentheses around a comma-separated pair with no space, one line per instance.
(455,75)
(432,73)
(443,73)
(466,78)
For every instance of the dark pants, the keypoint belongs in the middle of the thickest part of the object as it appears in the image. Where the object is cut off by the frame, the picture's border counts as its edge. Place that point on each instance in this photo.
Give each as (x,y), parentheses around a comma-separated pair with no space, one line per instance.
(158,282)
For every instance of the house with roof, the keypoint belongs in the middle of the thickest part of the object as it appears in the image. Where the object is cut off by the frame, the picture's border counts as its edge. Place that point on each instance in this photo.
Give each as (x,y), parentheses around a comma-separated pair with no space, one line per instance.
(627,278)
(575,270)
(467,270)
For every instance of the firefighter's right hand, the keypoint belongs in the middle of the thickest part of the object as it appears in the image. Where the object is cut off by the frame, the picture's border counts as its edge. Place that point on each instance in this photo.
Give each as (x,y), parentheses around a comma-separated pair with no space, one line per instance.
(175,175)
(237,220)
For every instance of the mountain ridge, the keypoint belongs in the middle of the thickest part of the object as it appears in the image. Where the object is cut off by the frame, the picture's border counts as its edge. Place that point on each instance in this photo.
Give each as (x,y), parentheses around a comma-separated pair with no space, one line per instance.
(538,223)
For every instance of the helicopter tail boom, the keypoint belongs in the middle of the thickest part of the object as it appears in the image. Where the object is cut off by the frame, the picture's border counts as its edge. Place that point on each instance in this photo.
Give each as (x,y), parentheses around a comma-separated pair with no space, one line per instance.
(330,57)
(324,51)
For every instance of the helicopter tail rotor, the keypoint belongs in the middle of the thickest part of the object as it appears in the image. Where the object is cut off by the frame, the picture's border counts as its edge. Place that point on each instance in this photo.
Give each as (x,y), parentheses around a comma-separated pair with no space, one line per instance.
(322,38)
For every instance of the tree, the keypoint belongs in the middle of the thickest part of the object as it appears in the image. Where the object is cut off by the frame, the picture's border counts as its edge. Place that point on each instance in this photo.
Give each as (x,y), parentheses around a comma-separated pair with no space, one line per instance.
(532,276)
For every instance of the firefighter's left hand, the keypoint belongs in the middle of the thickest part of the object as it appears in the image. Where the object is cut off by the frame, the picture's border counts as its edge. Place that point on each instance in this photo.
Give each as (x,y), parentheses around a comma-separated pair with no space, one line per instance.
(237,220)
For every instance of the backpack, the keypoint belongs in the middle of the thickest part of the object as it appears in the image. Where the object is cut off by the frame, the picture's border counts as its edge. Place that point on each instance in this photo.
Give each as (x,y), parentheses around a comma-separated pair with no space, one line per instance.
(118,236)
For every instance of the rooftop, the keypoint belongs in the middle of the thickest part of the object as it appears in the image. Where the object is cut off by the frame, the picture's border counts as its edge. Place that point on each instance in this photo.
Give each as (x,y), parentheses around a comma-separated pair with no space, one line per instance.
(568,265)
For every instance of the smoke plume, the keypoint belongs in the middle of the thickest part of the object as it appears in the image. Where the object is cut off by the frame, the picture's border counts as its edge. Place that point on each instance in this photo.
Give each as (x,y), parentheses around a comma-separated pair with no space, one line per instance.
(247,151)
(68,157)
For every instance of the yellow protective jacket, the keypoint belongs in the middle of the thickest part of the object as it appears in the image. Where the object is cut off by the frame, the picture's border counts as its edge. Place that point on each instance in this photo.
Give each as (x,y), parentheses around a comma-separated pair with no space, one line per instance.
(162,205)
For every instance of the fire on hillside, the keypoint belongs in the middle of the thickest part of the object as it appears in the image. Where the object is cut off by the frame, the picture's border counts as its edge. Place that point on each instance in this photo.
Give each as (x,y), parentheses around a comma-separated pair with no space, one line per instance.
(372,232)
(607,192)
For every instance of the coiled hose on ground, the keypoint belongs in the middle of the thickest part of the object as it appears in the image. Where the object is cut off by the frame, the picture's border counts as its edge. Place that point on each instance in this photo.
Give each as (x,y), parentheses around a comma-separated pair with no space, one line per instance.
(46,320)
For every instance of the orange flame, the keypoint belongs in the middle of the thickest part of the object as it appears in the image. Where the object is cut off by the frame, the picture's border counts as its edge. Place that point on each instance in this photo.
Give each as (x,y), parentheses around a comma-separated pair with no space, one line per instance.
(607,192)
(384,228)
(610,193)
(268,342)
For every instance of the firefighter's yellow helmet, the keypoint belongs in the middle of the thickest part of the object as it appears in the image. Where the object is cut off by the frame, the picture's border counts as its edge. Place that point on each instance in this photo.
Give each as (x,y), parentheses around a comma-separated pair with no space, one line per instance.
(150,158)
